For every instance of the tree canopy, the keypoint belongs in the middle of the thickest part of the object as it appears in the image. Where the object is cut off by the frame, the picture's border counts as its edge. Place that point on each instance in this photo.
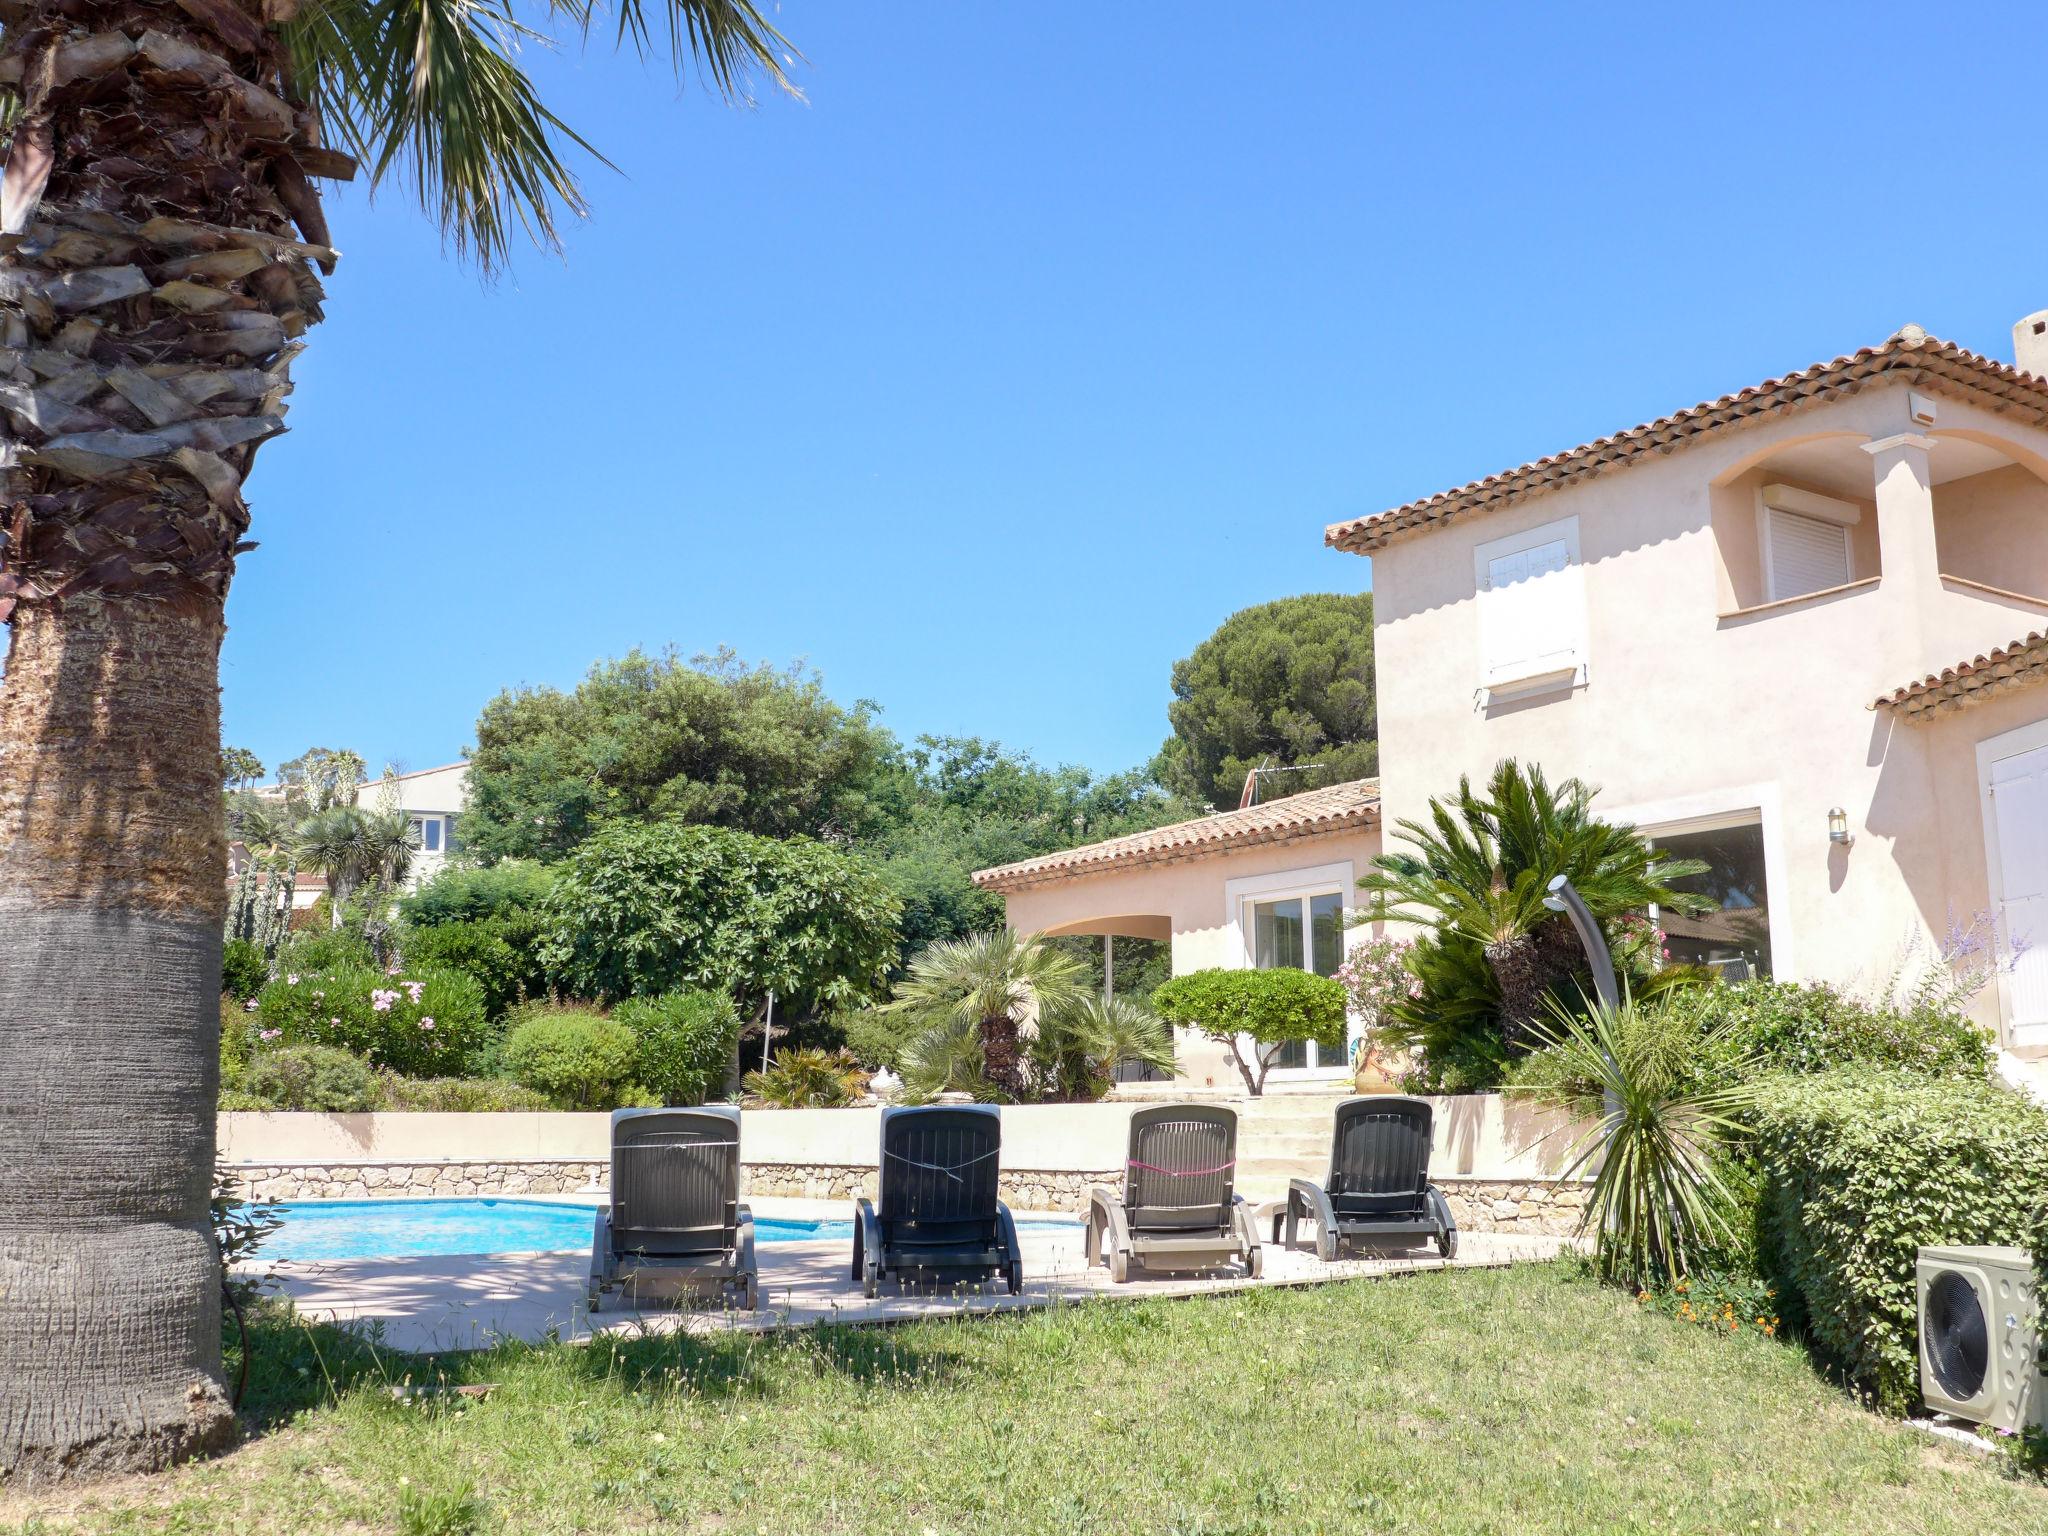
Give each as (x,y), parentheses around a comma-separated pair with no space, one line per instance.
(711,740)
(643,910)
(1287,684)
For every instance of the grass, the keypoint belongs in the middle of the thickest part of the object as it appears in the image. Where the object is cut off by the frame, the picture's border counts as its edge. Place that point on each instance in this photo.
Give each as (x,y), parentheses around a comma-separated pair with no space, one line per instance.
(1524,1400)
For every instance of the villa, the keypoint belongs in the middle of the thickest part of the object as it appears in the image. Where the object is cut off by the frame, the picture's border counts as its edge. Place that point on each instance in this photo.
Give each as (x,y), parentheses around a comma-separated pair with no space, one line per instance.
(1796,632)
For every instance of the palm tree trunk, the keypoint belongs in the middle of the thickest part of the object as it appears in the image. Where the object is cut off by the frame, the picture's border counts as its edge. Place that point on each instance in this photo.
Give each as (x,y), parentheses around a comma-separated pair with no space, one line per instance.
(1000,1058)
(112,880)
(151,282)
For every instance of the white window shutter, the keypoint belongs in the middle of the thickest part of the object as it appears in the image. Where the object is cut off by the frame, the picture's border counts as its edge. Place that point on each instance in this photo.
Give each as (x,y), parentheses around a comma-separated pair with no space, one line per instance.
(1808,554)
(1532,614)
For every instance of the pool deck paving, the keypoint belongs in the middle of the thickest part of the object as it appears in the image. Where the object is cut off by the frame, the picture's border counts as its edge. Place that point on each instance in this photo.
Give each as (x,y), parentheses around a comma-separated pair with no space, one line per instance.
(471,1301)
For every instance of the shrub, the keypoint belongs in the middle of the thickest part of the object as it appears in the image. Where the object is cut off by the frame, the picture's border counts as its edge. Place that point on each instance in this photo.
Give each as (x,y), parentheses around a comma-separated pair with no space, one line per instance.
(420,1023)
(1865,1166)
(479,951)
(809,1079)
(1077,1050)
(455,1095)
(237,1039)
(577,1057)
(1783,1027)
(460,894)
(686,1043)
(325,949)
(308,1077)
(877,1037)
(243,969)
(643,910)
(1272,1007)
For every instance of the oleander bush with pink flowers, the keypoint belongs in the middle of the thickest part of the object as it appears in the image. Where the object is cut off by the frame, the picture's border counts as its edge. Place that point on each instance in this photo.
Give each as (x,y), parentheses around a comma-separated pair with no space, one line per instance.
(420,1023)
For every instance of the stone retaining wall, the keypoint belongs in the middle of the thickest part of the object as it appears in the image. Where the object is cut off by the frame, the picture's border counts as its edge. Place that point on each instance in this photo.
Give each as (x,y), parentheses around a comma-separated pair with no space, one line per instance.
(1478,1205)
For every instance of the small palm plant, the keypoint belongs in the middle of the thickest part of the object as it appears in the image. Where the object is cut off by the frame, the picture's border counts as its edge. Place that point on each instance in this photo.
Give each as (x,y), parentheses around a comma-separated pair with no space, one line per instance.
(973,997)
(1080,1051)
(1664,1100)
(808,1079)
(1480,867)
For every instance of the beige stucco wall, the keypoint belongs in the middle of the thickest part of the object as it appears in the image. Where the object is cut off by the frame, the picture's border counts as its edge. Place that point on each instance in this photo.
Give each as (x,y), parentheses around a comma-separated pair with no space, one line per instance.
(1688,711)
(1199,911)
(1477,1135)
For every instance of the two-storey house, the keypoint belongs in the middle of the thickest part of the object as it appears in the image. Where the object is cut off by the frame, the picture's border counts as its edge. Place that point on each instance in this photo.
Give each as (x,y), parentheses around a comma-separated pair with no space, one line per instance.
(1798,632)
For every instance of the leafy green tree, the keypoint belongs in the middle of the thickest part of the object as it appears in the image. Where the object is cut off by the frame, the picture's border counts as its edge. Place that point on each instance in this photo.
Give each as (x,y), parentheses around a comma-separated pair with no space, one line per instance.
(971,805)
(184,140)
(1475,875)
(1272,1009)
(642,910)
(1285,684)
(654,738)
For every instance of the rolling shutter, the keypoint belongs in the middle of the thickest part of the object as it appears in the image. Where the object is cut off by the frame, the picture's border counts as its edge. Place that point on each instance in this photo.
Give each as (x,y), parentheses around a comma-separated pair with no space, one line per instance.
(1808,554)
(1531,614)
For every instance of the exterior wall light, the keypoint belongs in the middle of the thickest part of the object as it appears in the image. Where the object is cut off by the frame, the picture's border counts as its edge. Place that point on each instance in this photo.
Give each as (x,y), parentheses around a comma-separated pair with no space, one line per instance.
(1838,827)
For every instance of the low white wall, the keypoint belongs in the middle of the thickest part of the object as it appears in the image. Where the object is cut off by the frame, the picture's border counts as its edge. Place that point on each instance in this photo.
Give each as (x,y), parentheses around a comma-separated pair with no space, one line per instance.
(1477,1136)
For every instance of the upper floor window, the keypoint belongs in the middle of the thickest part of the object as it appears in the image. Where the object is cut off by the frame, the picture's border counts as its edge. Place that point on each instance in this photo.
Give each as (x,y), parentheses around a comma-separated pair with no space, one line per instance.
(1532,610)
(429,831)
(1806,542)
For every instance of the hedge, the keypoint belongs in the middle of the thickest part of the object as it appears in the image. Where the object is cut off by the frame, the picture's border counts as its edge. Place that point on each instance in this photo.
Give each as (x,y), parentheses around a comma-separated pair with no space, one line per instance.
(1785,1027)
(1865,1166)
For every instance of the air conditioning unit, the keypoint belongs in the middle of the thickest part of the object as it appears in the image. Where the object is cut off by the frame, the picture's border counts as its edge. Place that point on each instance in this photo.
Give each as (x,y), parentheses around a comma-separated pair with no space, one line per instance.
(1979,1336)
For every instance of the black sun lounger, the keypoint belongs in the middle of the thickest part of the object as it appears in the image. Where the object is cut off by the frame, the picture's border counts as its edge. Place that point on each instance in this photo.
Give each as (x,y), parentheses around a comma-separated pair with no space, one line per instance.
(675,1225)
(1179,1209)
(936,1219)
(1379,1181)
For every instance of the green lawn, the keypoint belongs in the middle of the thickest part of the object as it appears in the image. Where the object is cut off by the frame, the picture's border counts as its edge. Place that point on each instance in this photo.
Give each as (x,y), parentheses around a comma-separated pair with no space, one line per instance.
(1525,1401)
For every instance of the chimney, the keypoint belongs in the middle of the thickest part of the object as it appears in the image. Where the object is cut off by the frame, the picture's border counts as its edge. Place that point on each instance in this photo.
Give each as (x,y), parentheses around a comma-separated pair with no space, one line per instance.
(2030,344)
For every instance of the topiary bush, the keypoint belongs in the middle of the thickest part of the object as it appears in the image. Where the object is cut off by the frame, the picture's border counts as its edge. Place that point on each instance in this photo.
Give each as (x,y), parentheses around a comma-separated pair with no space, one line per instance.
(1273,1007)
(308,1078)
(420,1023)
(577,1057)
(1865,1166)
(455,1095)
(243,969)
(686,1043)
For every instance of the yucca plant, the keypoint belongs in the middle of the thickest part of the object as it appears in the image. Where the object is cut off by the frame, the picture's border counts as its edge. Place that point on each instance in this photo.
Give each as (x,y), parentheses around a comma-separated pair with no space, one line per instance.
(1479,869)
(1659,1127)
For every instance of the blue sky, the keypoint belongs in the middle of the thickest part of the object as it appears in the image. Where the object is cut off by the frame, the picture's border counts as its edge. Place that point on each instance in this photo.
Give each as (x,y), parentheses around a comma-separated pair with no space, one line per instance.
(1040,338)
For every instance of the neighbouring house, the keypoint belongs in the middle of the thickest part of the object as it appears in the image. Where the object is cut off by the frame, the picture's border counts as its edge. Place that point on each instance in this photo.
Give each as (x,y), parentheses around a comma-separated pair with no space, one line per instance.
(433,799)
(1798,632)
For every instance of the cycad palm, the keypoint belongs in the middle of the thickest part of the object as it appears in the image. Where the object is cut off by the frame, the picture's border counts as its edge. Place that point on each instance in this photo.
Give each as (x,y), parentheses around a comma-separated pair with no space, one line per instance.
(164,254)
(1482,863)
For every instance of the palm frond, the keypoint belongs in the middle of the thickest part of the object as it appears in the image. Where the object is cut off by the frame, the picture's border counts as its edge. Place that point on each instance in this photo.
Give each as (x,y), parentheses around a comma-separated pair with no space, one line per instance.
(432,93)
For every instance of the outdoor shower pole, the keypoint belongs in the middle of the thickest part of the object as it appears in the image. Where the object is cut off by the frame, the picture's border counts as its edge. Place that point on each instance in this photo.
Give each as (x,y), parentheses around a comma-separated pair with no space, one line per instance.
(1562,898)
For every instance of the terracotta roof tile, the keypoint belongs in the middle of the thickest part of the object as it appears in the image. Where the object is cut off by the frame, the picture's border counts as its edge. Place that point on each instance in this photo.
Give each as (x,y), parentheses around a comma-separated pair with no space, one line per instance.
(2018,665)
(1311,813)
(1909,357)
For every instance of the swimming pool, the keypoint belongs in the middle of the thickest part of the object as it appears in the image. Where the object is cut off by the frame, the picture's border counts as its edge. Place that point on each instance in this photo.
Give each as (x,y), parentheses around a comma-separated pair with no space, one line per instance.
(389,1229)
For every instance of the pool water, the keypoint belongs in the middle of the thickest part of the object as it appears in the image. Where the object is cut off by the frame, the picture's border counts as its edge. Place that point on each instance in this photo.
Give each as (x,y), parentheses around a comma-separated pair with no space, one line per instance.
(386,1229)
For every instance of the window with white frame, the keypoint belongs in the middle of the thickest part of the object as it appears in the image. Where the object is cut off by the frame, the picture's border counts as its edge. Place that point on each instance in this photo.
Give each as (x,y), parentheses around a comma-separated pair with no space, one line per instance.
(427,830)
(1303,933)
(1806,541)
(1532,610)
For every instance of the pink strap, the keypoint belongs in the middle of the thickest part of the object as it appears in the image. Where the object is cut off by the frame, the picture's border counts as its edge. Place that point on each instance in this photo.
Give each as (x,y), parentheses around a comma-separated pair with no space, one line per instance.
(1185,1173)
